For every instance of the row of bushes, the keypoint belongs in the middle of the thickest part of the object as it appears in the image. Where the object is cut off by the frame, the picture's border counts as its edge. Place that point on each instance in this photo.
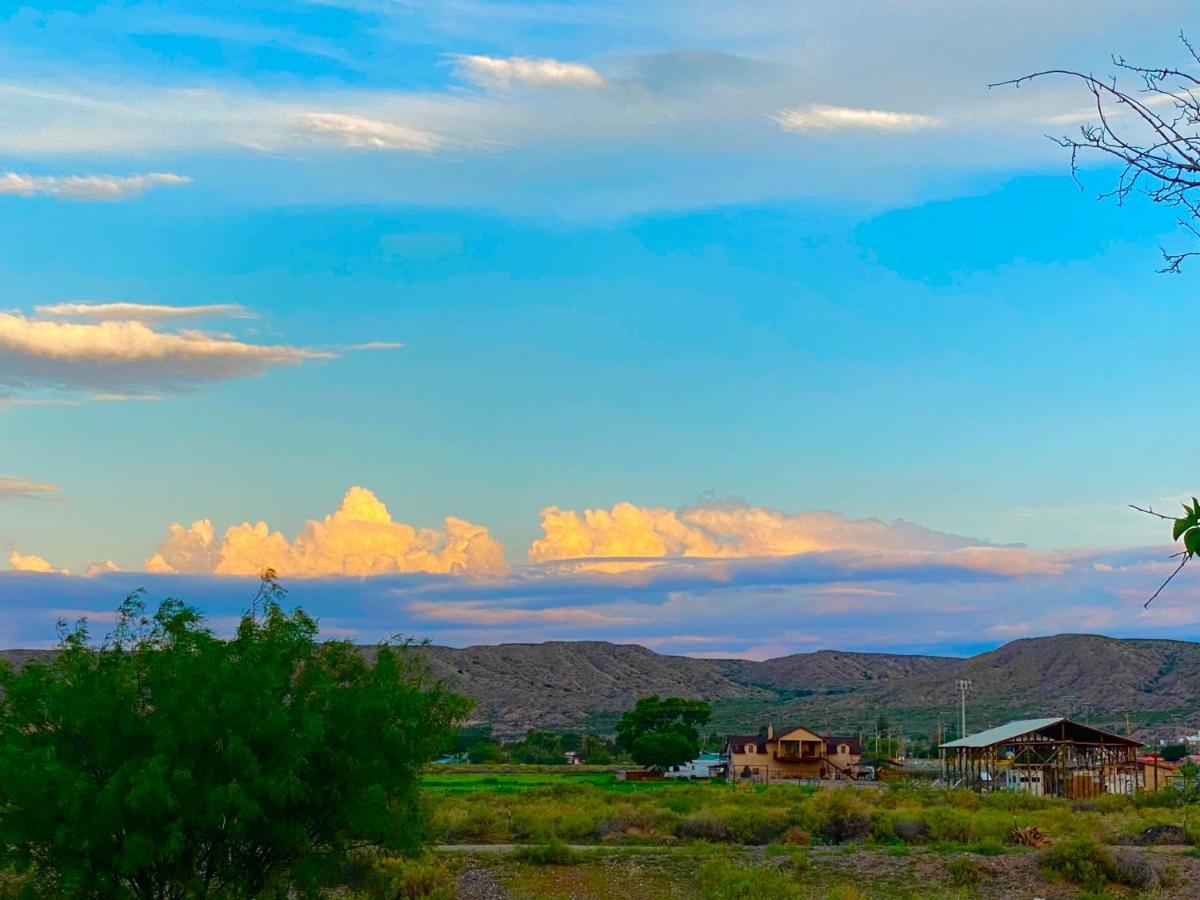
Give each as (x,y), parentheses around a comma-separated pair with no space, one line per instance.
(584,813)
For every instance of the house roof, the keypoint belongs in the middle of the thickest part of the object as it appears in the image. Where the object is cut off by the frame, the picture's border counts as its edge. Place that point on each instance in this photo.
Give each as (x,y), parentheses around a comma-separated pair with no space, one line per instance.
(740,740)
(831,742)
(1003,734)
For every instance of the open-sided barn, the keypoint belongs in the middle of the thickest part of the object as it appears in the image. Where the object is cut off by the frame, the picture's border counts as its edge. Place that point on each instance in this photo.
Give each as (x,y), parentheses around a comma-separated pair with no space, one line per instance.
(1050,757)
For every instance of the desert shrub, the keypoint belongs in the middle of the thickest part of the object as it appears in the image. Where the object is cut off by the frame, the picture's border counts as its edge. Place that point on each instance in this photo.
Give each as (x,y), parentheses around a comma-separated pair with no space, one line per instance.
(1081,861)
(911,831)
(399,877)
(964,871)
(704,825)
(1013,801)
(754,825)
(638,821)
(1138,870)
(796,836)
(553,816)
(1078,860)
(722,879)
(961,799)
(552,853)
(839,815)
(949,824)
(476,824)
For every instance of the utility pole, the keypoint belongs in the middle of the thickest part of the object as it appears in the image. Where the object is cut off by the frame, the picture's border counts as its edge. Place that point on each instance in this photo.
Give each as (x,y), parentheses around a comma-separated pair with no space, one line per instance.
(962,686)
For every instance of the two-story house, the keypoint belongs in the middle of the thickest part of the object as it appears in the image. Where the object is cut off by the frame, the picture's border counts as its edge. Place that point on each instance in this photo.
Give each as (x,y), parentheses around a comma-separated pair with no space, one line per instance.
(793,753)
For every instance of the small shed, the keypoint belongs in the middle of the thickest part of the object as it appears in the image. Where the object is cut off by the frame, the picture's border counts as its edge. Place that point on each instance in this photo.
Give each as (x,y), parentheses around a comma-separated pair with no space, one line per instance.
(1053,757)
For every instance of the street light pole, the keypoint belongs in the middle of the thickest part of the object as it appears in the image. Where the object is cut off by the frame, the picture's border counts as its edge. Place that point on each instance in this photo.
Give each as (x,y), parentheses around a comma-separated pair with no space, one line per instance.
(962,686)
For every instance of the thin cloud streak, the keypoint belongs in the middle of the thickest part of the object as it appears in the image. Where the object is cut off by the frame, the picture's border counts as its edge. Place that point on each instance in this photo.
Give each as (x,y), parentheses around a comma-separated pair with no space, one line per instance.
(140,312)
(88,187)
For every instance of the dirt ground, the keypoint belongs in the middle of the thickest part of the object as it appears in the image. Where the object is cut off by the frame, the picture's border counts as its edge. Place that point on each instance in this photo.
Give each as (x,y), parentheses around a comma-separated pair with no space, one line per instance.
(833,872)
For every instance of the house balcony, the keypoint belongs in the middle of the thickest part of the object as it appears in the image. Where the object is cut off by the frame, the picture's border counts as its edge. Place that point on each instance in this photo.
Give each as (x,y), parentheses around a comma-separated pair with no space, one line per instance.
(798,758)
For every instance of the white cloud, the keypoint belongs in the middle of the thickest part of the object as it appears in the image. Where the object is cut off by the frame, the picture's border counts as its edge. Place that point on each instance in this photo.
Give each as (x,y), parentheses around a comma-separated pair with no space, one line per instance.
(494,71)
(38,352)
(88,187)
(362,133)
(141,312)
(820,117)
(101,568)
(22,562)
(12,487)
(377,345)
(358,539)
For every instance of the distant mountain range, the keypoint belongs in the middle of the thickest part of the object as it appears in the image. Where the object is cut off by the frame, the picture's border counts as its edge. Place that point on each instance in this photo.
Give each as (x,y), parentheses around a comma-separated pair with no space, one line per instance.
(573,685)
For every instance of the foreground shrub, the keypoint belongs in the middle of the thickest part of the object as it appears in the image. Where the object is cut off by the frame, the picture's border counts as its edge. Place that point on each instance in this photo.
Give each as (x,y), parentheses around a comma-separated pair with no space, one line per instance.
(399,877)
(1081,861)
(838,815)
(170,763)
(554,853)
(722,879)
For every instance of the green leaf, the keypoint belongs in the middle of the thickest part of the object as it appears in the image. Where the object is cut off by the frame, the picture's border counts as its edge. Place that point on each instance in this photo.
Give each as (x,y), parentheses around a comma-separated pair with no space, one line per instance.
(1191,541)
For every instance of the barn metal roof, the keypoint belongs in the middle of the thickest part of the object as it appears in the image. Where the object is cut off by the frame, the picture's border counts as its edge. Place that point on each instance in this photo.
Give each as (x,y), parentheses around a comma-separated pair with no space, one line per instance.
(1002,733)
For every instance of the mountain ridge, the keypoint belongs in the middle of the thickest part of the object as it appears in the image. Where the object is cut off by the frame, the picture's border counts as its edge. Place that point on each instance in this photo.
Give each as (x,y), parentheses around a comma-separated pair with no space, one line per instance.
(571,685)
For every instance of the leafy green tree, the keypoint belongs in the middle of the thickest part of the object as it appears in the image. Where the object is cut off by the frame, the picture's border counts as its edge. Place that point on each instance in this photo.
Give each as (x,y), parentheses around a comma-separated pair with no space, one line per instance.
(170,763)
(595,750)
(488,752)
(538,748)
(662,733)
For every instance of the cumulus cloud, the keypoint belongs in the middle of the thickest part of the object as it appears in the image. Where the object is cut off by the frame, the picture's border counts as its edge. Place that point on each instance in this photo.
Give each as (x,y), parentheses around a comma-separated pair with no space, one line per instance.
(358,539)
(101,568)
(821,117)
(12,487)
(362,133)
(128,354)
(634,534)
(141,312)
(492,71)
(21,562)
(88,187)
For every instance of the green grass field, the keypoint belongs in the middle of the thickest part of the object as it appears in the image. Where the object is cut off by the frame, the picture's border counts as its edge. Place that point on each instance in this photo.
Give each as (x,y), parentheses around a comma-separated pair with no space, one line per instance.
(444,784)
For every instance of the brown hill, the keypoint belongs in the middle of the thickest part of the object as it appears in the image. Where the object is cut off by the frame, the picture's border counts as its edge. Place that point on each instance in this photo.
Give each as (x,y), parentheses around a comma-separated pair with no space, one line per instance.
(587,684)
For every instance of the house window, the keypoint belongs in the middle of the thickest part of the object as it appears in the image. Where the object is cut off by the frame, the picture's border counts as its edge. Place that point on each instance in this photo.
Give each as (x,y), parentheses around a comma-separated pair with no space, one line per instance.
(749,748)
(843,750)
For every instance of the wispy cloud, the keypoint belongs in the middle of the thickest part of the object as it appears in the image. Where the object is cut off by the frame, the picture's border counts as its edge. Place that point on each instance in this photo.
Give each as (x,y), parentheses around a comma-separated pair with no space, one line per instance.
(12,487)
(492,71)
(377,345)
(141,312)
(820,117)
(127,354)
(362,133)
(88,187)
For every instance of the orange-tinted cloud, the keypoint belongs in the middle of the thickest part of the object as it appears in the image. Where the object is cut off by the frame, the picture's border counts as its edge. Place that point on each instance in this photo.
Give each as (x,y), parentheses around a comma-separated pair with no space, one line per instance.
(22,562)
(358,539)
(634,534)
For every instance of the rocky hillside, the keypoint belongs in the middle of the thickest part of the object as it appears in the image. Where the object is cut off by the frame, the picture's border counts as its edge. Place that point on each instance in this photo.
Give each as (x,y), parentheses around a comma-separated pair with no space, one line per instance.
(586,684)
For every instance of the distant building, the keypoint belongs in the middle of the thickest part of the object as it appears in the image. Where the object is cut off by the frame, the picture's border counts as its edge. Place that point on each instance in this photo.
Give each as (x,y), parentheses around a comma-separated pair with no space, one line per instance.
(1047,757)
(706,765)
(792,754)
(1156,772)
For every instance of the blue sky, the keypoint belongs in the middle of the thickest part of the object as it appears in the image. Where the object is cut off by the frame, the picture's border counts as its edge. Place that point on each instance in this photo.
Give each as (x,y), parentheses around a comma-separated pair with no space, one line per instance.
(695,269)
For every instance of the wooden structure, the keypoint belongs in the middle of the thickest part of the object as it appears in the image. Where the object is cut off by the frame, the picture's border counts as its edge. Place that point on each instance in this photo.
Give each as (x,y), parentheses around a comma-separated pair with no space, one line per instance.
(1048,757)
